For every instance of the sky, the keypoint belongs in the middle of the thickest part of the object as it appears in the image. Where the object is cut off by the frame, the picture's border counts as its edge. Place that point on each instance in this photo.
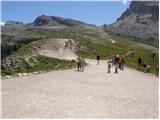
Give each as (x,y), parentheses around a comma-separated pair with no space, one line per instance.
(98,13)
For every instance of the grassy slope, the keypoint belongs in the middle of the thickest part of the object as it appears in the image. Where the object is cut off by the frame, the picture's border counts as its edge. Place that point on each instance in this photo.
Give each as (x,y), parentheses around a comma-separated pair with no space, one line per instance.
(46,64)
(104,47)
(43,63)
(108,50)
(145,55)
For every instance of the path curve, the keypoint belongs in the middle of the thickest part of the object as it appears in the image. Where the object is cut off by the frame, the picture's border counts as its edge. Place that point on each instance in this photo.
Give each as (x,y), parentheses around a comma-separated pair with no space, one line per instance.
(90,94)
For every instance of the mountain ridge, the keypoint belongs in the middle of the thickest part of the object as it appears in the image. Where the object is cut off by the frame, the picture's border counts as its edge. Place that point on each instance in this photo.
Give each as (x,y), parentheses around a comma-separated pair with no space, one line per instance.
(22,42)
(139,21)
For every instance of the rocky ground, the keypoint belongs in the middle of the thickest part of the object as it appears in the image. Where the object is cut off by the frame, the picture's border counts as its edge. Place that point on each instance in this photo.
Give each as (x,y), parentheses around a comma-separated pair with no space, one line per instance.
(93,93)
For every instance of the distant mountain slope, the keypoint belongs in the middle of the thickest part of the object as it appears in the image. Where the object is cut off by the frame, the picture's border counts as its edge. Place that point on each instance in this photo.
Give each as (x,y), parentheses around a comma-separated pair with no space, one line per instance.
(139,21)
(22,43)
(44,20)
(17,33)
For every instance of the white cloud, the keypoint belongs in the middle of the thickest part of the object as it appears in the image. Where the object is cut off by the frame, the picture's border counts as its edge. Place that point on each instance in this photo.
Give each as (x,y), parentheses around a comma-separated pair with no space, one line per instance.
(2,23)
(124,2)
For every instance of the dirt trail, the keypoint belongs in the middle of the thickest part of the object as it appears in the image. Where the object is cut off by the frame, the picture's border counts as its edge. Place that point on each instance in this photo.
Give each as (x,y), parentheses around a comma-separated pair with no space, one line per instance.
(56,49)
(113,41)
(90,94)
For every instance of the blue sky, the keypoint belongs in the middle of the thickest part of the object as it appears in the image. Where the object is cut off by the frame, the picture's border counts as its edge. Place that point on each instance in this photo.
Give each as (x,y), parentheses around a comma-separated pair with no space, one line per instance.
(98,13)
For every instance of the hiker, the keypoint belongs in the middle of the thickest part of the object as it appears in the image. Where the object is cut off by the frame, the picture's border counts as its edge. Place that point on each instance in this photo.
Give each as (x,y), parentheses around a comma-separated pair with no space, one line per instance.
(153,55)
(116,63)
(132,54)
(157,70)
(69,41)
(112,61)
(98,58)
(78,60)
(144,66)
(122,63)
(148,68)
(119,63)
(78,47)
(71,45)
(139,62)
(109,65)
(70,48)
(66,45)
(82,64)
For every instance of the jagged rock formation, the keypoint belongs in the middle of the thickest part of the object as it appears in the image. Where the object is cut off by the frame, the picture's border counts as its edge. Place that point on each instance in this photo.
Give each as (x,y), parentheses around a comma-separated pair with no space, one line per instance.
(11,43)
(139,21)
(11,22)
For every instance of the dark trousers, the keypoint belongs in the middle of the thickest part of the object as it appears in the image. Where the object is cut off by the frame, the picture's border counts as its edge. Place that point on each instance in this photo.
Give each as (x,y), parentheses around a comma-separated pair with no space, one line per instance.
(116,70)
(97,62)
(79,66)
(122,67)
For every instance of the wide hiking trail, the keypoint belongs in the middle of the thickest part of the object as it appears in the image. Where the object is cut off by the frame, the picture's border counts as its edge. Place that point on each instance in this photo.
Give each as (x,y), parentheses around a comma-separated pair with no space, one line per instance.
(93,93)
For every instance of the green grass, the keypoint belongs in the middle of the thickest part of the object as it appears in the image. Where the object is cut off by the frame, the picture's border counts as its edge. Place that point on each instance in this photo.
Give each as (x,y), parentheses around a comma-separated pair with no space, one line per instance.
(33,33)
(6,72)
(24,48)
(47,64)
(43,64)
(108,50)
(105,51)
(146,55)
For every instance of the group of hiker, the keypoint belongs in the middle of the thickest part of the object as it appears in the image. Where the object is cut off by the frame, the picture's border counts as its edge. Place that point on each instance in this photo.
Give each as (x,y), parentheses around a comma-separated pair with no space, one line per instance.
(80,64)
(69,44)
(118,62)
(143,65)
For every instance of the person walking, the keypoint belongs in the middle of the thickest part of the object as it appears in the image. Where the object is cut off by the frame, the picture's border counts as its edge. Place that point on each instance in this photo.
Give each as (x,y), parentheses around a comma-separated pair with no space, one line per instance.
(133,51)
(98,59)
(148,68)
(153,55)
(109,65)
(113,61)
(139,62)
(116,63)
(157,70)
(78,60)
(70,44)
(122,63)
(82,64)
(144,66)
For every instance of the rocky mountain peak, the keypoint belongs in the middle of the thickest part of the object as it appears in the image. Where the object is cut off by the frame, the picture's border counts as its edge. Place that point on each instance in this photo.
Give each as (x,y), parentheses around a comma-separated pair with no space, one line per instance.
(139,21)
(12,22)
(150,8)
(44,20)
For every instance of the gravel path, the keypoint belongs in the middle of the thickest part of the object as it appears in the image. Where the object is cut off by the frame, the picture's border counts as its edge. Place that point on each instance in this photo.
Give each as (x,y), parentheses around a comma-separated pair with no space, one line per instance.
(93,93)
